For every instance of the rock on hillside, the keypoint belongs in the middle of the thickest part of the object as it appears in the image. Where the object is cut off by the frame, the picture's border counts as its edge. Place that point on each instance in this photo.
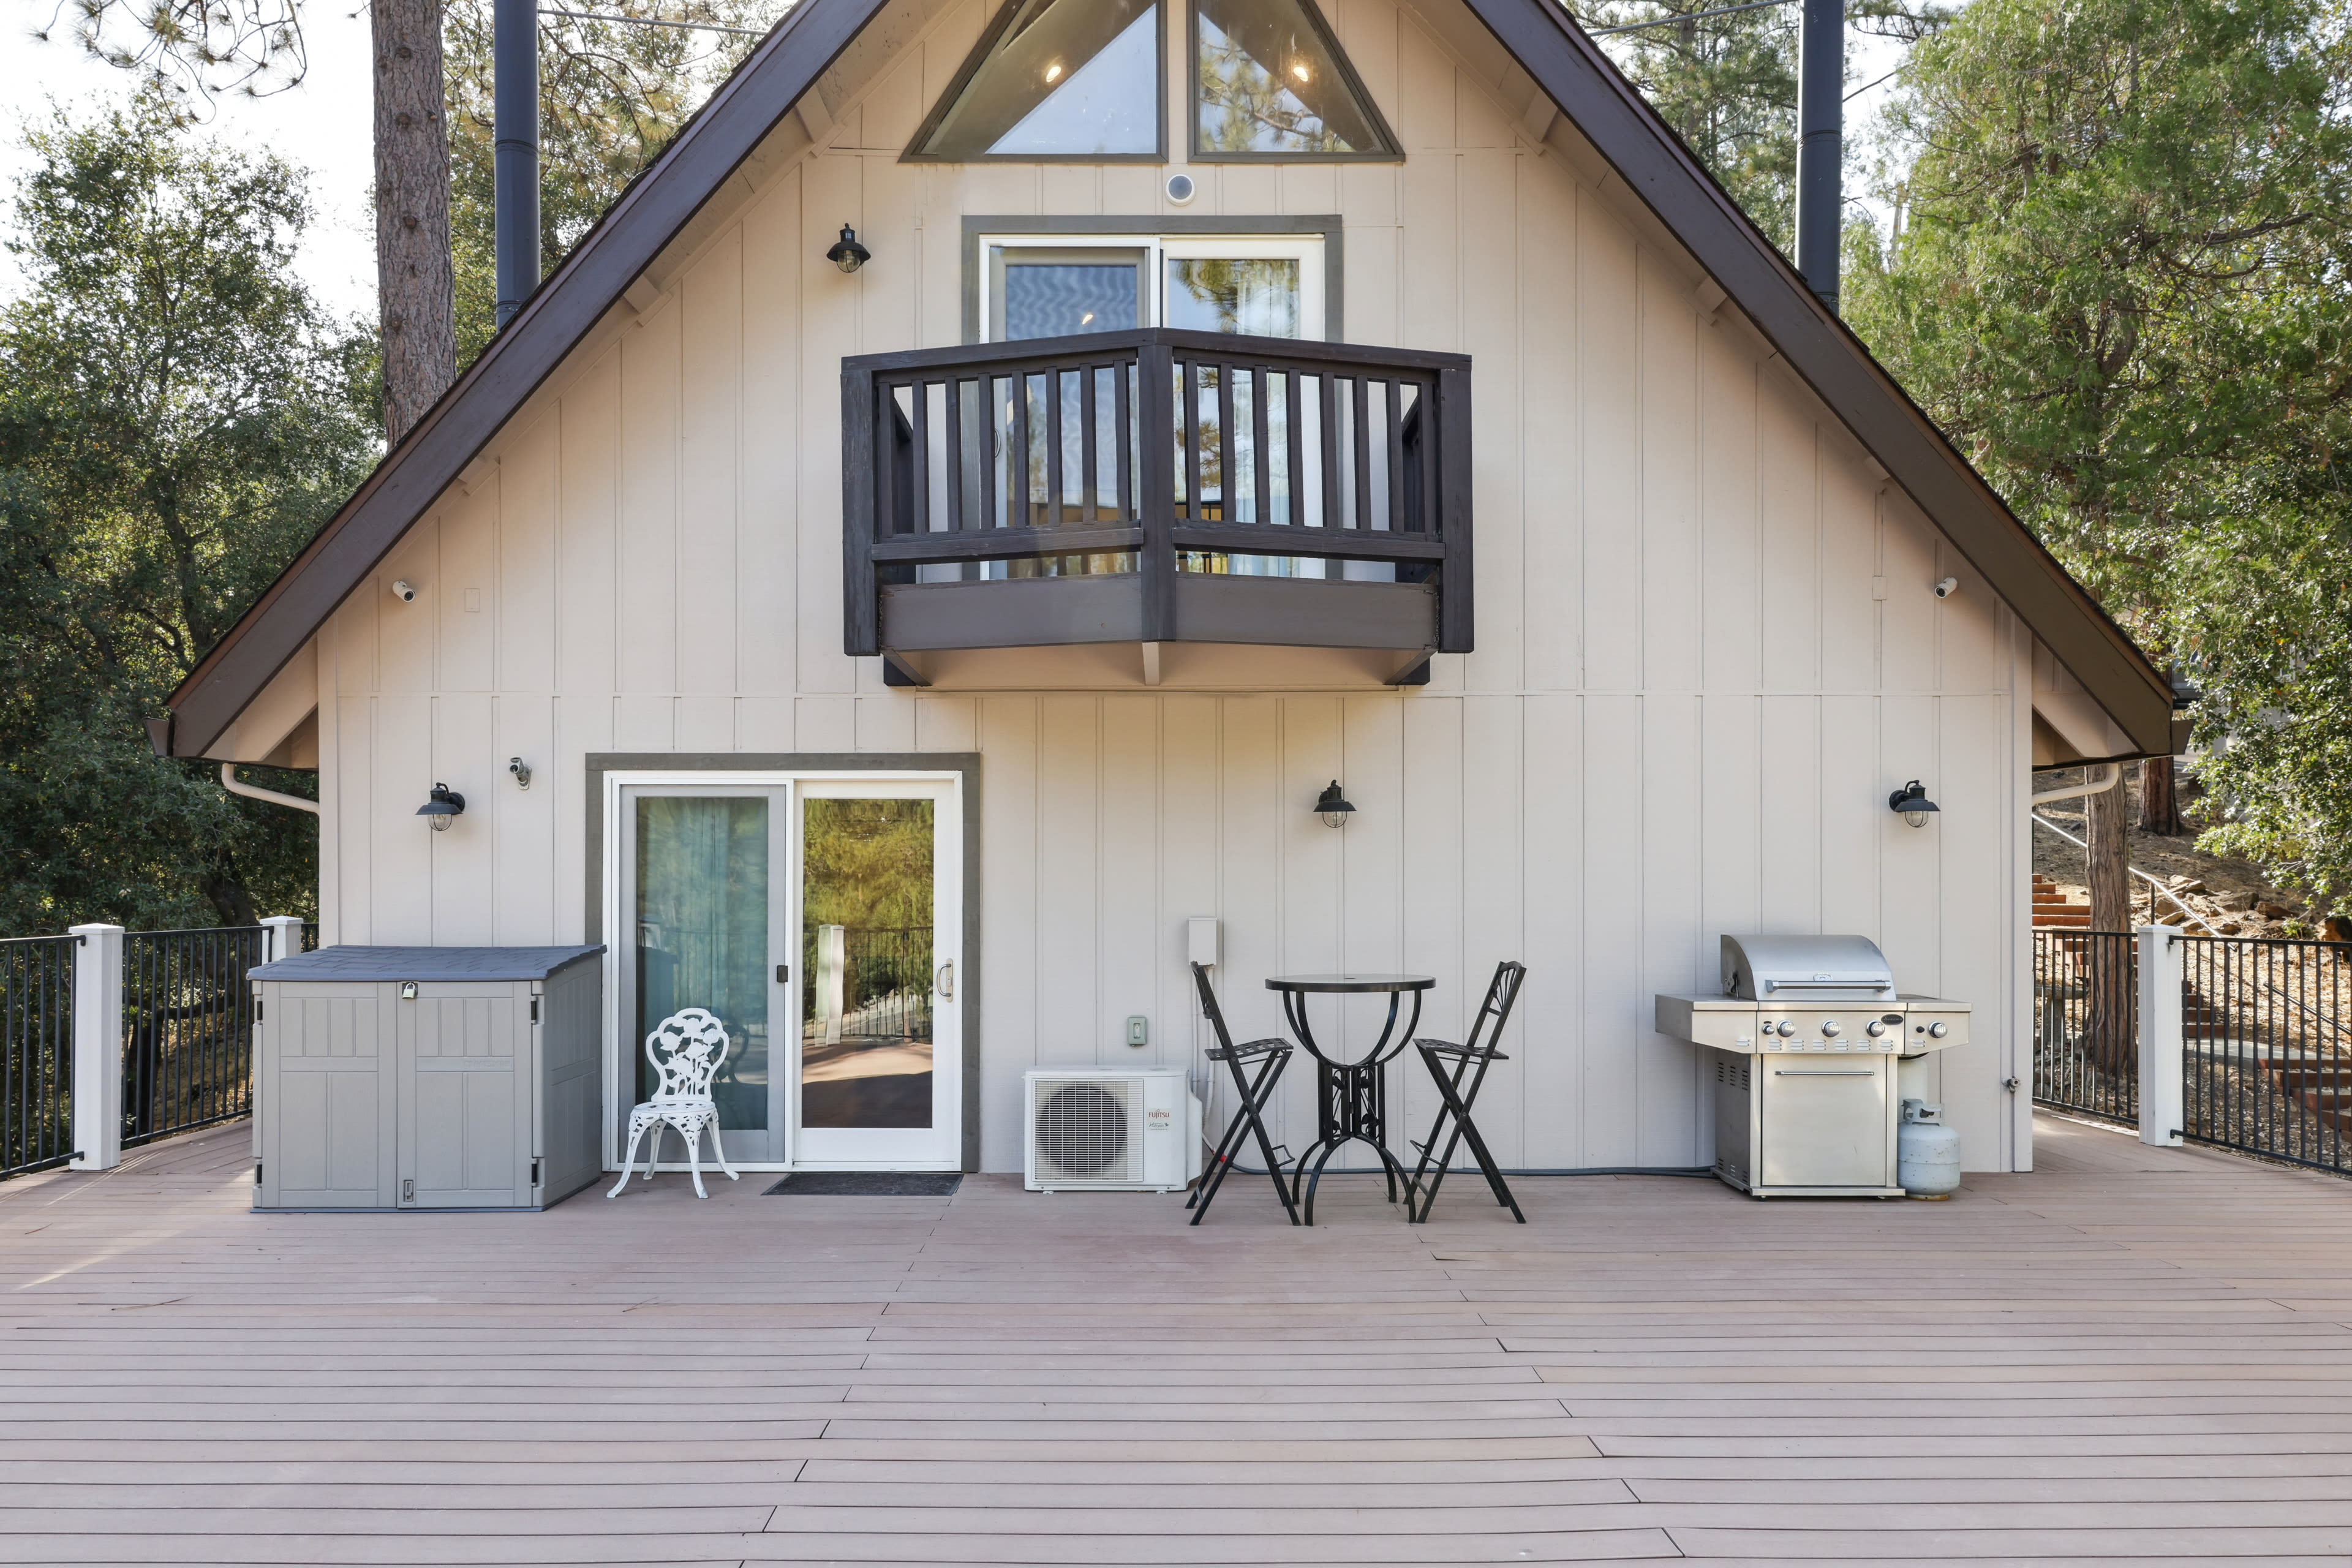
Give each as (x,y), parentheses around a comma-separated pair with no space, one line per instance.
(2230,896)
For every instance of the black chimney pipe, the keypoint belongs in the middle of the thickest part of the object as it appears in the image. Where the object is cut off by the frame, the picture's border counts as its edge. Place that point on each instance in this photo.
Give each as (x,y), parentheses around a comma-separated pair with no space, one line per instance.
(514,61)
(1820,145)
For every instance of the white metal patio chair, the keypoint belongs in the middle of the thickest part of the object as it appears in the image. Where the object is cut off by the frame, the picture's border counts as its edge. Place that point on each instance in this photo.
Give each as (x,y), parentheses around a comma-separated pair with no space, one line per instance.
(686,1049)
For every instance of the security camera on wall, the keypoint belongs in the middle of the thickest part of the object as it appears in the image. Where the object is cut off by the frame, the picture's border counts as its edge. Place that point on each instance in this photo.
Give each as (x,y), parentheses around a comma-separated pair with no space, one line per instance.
(406,592)
(1947,587)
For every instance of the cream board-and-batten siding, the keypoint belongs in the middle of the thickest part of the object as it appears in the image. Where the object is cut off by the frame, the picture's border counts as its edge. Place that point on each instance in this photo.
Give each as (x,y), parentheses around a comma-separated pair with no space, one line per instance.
(1708,644)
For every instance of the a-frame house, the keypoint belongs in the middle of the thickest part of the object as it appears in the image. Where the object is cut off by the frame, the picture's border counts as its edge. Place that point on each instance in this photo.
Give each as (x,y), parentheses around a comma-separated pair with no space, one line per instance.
(1241,397)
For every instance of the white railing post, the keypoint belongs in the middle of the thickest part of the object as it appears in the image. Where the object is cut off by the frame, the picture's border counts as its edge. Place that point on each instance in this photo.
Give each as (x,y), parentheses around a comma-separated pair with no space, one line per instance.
(2160,1037)
(284,939)
(97,1048)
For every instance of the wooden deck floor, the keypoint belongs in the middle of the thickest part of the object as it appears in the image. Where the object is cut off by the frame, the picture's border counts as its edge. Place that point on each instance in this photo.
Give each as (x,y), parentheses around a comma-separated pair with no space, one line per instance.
(2130,1354)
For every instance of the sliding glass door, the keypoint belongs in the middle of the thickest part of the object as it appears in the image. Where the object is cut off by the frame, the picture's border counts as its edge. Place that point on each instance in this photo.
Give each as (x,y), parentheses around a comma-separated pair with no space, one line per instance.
(817,918)
(878,945)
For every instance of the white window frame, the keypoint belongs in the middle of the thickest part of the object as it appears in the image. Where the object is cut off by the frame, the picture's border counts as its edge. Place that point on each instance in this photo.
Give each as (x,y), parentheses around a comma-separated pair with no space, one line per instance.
(1157,251)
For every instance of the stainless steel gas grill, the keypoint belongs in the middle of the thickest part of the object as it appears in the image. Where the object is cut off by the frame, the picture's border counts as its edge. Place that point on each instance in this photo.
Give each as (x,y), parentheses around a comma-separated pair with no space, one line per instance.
(1804,1037)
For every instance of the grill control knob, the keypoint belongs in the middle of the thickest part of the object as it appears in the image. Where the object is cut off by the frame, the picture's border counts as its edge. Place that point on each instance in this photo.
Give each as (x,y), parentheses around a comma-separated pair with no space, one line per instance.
(1787,1028)
(1832,1027)
(1937,1031)
(1875,1029)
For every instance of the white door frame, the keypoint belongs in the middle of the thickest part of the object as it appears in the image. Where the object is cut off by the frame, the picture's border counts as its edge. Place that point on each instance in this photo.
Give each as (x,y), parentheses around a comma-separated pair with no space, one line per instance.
(948,939)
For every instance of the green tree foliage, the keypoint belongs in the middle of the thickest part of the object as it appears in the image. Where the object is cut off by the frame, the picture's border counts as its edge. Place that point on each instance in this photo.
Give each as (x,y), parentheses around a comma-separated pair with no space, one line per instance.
(1727,84)
(177,417)
(2264,618)
(611,97)
(867,863)
(2121,287)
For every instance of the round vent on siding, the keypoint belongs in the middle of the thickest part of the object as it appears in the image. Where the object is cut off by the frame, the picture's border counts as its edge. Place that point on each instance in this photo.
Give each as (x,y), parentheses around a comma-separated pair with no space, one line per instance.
(1082,1129)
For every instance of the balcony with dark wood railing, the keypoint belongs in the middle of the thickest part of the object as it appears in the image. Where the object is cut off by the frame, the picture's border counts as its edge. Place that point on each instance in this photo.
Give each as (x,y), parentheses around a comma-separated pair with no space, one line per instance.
(1156,487)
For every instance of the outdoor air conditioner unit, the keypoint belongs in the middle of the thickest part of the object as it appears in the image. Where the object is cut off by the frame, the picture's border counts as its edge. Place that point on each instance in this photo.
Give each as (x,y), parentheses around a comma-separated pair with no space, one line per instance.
(1110,1130)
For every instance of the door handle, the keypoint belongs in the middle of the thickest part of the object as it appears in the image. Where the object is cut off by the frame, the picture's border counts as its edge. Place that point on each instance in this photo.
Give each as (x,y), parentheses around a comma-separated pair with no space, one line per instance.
(945,981)
(1824,1072)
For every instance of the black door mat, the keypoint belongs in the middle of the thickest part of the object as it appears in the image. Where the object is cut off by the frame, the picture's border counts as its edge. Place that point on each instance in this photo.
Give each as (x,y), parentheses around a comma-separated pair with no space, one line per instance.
(867,1185)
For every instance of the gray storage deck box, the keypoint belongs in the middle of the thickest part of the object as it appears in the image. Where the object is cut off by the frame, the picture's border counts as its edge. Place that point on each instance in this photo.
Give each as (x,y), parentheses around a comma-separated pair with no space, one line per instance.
(422,1077)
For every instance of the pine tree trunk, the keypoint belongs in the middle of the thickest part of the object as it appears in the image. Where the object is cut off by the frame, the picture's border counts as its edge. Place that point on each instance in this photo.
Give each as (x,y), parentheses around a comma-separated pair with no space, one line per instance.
(411,211)
(2113,998)
(2110,857)
(2160,800)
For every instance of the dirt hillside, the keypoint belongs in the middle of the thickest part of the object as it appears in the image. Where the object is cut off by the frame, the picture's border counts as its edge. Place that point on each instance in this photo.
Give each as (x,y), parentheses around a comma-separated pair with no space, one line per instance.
(2230,896)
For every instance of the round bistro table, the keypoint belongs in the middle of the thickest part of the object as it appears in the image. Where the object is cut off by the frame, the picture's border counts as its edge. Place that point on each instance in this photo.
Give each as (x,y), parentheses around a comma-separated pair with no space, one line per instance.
(1351,1097)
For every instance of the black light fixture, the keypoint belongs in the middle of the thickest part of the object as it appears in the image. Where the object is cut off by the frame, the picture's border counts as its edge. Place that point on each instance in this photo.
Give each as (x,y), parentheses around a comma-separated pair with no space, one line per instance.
(846,253)
(441,805)
(1333,807)
(1912,801)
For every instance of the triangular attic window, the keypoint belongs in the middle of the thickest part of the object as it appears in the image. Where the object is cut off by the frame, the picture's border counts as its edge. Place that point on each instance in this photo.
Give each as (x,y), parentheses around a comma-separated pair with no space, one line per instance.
(1055,79)
(1269,82)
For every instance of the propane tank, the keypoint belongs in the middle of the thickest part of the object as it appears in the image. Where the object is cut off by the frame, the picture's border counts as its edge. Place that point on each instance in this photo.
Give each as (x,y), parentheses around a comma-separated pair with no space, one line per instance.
(1926,1153)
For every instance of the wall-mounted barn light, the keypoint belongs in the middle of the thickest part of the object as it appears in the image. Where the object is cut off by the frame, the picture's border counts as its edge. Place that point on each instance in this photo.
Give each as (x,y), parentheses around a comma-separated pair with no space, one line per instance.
(1333,807)
(846,253)
(443,806)
(1912,802)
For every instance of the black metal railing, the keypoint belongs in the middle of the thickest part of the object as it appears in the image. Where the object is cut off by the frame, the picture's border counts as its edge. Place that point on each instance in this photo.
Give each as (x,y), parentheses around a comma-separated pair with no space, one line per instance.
(36,986)
(309,936)
(1155,455)
(2266,1047)
(2266,1039)
(886,984)
(2086,1023)
(187,1028)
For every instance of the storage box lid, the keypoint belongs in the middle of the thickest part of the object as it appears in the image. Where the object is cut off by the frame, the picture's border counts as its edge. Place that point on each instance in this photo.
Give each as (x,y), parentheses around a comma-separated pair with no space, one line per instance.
(425,964)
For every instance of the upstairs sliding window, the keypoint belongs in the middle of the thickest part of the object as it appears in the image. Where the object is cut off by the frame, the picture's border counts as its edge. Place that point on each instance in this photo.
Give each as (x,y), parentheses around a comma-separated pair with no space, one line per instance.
(1085,81)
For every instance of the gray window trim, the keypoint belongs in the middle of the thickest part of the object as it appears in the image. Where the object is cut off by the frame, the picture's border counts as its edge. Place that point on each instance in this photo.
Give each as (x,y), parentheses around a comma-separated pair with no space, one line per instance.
(1325,226)
(965,765)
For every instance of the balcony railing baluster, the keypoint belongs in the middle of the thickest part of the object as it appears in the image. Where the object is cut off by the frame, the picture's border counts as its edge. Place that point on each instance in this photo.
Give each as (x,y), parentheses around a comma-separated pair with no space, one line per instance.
(1276,452)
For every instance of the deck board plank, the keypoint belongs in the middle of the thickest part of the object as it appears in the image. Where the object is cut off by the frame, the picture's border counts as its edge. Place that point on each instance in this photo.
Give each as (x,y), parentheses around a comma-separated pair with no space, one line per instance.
(2130,1355)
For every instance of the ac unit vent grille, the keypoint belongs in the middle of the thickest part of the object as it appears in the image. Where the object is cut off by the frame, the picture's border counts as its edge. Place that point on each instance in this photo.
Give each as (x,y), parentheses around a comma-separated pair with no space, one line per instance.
(1086,1133)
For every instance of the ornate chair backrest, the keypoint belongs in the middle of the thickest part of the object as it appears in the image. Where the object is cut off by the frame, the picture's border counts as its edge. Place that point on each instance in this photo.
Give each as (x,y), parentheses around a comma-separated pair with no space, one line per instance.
(686,1048)
(1502,992)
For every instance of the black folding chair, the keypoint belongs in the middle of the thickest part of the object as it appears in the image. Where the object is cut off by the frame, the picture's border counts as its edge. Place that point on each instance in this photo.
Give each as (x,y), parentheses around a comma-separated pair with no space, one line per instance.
(1271,1056)
(1449,1065)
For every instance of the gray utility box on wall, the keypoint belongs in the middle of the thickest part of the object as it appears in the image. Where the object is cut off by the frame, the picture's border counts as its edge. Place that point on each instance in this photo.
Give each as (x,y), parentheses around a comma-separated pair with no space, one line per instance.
(427,1077)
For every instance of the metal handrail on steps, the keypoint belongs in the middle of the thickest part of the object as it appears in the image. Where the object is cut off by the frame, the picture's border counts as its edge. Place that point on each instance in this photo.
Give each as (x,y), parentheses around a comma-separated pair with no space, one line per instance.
(2042,821)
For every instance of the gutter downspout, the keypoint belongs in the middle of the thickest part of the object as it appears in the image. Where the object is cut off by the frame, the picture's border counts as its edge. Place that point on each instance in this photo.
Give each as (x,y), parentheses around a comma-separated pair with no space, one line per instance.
(253,792)
(2099,783)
